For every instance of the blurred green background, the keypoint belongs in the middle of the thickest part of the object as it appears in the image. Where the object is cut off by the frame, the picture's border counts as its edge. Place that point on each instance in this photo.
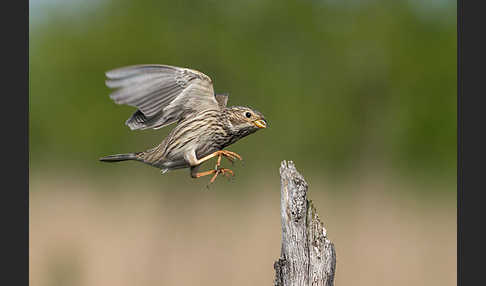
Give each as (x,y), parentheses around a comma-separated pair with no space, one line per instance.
(360,94)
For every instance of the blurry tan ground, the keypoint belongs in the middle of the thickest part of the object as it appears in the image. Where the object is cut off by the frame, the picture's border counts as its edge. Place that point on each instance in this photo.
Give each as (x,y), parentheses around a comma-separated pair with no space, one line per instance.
(82,235)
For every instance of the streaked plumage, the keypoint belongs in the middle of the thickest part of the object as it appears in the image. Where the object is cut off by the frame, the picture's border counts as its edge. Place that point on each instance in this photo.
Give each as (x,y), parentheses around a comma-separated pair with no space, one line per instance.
(165,95)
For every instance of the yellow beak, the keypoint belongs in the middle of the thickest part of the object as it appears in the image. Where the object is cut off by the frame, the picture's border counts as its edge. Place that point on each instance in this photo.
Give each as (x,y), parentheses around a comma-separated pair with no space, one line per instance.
(260,123)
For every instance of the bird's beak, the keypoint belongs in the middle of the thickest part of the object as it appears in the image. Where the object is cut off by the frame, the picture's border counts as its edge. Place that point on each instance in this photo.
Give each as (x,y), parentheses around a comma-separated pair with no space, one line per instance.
(261,123)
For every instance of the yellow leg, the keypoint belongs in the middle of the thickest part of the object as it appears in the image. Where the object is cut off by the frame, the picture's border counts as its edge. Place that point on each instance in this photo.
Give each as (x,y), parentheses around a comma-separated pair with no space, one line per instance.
(231,156)
(202,174)
(227,154)
(223,171)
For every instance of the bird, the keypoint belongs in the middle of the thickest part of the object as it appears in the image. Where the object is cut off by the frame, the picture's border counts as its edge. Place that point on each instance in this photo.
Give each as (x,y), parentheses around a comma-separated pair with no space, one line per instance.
(205,125)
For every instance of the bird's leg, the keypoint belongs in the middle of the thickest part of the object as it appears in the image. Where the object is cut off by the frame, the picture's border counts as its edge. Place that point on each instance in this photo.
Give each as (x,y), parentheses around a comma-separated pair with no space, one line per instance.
(224,171)
(227,154)
(216,171)
(191,157)
(202,174)
(230,155)
(219,162)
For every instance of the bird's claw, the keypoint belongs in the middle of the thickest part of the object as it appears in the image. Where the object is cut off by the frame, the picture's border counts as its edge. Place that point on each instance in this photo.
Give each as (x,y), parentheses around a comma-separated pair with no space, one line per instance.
(224,171)
(230,156)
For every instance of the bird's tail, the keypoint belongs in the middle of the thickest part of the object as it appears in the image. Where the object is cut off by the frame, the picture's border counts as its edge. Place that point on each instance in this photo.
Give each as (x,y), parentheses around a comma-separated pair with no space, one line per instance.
(119,157)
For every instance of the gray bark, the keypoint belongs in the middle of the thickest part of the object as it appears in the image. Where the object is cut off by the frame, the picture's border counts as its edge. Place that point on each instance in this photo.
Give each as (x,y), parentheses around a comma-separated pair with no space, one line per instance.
(307,257)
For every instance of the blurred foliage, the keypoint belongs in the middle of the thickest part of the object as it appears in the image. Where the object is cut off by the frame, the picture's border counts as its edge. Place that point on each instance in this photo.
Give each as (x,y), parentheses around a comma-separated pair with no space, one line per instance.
(344,85)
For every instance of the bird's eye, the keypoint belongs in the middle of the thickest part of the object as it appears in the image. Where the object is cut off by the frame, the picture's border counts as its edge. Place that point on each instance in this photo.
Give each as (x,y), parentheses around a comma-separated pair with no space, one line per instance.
(248,114)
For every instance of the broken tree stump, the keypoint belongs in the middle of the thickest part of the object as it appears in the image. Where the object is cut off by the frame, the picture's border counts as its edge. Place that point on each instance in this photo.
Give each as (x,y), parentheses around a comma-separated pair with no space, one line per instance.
(307,257)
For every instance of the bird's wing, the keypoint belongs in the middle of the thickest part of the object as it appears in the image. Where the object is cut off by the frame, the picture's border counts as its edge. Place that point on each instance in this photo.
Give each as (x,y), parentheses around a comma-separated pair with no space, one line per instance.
(163,94)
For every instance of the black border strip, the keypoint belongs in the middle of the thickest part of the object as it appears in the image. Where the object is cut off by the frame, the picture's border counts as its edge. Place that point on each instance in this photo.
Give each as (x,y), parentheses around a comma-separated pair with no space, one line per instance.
(471,176)
(14,137)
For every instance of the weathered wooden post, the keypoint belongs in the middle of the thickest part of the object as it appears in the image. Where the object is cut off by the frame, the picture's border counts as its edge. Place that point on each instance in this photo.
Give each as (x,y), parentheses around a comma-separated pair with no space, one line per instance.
(307,257)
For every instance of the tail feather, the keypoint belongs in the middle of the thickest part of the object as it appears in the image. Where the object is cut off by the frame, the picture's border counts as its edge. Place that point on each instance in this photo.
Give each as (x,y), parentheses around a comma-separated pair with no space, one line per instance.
(119,157)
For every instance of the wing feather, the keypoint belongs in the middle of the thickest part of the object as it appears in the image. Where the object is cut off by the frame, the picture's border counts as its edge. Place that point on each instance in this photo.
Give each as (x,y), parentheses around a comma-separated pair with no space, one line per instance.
(163,94)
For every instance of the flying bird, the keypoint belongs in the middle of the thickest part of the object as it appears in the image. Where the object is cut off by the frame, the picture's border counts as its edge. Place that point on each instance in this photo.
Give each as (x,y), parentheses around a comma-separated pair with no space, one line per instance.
(205,126)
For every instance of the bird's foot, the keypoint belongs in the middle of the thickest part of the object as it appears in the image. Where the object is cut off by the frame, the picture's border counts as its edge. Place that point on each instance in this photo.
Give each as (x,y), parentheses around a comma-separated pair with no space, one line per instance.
(223,171)
(231,156)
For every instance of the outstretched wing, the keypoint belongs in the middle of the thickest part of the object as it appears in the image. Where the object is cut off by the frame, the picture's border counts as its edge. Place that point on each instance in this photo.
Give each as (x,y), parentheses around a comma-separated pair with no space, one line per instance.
(163,94)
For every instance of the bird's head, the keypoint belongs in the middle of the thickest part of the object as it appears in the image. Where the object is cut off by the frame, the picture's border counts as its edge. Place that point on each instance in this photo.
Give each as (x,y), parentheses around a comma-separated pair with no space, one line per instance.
(246,118)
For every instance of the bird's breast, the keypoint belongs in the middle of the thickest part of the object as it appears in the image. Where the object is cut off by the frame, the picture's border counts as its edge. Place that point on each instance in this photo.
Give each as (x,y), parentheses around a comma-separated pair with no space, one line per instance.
(198,132)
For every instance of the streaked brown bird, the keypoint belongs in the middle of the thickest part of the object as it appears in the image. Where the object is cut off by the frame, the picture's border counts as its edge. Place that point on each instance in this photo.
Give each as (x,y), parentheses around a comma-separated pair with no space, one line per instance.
(204,125)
